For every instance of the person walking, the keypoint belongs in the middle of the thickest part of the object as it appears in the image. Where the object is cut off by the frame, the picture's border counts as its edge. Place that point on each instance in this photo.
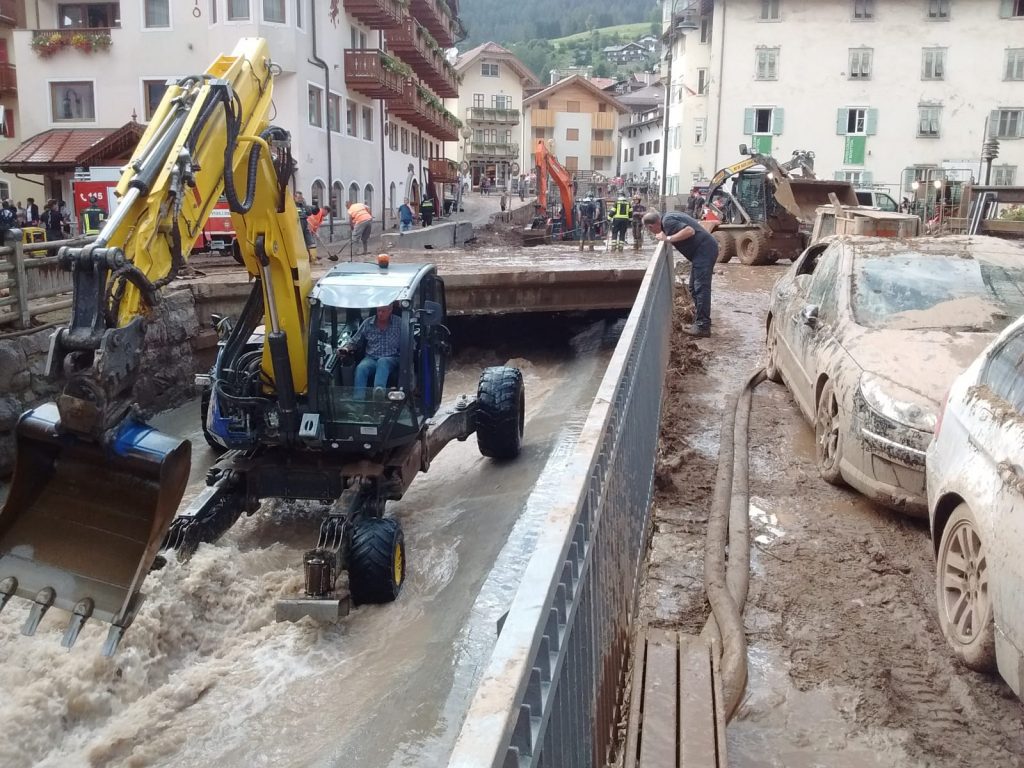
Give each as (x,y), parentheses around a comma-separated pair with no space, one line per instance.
(361,221)
(427,211)
(405,216)
(620,215)
(32,212)
(695,243)
(639,209)
(52,221)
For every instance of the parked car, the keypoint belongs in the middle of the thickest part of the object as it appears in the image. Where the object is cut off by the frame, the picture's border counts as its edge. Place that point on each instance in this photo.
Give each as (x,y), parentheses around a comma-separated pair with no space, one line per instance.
(873,198)
(869,333)
(976,504)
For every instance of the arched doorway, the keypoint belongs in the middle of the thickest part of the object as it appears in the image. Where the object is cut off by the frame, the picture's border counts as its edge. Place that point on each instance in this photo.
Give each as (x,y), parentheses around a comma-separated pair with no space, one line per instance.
(414,195)
(337,196)
(368,196)
(318,194)
(353,193)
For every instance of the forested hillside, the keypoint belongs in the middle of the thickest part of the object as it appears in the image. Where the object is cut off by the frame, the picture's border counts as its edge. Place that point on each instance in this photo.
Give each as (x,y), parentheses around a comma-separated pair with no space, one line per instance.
(516,21)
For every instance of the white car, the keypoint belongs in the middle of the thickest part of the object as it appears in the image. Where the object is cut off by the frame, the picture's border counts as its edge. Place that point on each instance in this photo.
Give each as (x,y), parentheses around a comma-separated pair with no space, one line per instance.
(975,473)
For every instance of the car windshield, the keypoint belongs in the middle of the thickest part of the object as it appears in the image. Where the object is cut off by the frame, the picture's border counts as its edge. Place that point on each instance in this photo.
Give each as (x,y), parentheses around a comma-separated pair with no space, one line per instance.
(928,291)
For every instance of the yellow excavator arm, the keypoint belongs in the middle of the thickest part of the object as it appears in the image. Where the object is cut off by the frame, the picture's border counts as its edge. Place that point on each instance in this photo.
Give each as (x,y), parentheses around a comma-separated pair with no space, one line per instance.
(94,488)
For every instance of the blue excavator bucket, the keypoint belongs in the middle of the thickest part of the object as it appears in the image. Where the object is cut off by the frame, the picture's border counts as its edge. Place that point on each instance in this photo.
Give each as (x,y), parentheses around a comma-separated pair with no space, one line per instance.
(83,521)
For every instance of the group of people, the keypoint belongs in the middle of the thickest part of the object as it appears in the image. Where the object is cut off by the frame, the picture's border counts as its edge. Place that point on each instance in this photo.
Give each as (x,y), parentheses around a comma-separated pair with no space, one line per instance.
(623,216)
(407,215)
(53,217)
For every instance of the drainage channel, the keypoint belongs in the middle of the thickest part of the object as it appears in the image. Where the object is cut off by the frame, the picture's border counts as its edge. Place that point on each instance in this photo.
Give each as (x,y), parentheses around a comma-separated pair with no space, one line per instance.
(206,675)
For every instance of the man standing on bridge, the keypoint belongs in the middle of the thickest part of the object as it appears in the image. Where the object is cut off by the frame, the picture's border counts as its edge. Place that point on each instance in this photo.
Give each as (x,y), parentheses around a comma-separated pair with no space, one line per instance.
(701,250)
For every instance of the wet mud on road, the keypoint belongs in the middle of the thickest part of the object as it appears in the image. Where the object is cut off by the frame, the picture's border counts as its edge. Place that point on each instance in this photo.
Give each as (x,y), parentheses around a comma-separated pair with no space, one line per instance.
(205,676)
(847,666)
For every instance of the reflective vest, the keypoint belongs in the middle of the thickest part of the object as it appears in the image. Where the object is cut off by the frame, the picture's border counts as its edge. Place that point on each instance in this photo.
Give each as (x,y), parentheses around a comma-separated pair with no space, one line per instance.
(358,213)
(92,220)
(623,210)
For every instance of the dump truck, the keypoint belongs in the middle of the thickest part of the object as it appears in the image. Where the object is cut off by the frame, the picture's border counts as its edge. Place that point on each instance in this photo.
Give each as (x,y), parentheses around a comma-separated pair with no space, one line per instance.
(769,211)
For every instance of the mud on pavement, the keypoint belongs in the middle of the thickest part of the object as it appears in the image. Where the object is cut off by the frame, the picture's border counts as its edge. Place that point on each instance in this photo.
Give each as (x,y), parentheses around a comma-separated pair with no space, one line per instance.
(847,666)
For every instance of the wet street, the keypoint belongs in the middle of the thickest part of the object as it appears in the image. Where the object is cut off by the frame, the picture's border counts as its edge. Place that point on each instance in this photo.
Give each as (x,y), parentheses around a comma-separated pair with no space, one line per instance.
(206,677)
(847,666)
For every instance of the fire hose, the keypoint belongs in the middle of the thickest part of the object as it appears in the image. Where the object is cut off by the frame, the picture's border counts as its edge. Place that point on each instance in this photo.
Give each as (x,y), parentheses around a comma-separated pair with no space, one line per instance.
(728,528)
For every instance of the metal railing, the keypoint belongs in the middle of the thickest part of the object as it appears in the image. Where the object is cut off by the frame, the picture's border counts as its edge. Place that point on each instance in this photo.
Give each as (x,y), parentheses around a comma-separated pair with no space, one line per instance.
(32,282)
(493,115)
(550,695)
(493,148)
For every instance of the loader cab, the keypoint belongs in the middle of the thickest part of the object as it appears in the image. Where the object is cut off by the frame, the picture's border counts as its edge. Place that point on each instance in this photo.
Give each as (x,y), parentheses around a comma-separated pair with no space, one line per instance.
(370,419)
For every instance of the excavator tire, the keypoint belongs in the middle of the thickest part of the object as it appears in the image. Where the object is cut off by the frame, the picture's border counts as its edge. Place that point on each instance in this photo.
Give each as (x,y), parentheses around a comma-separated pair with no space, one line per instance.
(204,407)
(376,560)
(753,248)
(501,405)
(726,245)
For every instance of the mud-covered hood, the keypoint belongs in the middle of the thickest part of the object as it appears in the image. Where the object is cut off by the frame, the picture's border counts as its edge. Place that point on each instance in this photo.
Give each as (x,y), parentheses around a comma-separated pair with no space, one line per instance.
(923,361)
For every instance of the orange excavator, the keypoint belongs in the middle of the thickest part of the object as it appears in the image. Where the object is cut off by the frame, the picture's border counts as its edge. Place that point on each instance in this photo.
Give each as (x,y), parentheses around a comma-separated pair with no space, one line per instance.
(547,164)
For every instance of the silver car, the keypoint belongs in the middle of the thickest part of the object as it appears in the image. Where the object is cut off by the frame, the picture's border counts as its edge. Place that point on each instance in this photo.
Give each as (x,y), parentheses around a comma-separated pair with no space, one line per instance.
(869,334)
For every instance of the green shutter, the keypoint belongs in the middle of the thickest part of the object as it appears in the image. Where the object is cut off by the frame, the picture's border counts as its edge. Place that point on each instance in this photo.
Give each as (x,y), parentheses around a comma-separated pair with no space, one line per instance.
(841,119)
(777,121)
(748,122)
(1006,9)
(854,152)
(872,122)
(762,144)
(993,123)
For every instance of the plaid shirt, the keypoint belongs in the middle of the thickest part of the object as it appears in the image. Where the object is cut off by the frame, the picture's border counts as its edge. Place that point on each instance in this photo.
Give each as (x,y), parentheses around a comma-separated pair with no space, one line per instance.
(379,343)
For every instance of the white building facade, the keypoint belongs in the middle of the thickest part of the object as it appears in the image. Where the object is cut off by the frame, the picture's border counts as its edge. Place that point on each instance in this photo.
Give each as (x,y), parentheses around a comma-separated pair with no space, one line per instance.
(882,91)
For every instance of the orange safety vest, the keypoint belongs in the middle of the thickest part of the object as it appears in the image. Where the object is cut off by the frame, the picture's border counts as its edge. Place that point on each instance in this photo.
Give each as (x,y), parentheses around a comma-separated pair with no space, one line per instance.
(358,213)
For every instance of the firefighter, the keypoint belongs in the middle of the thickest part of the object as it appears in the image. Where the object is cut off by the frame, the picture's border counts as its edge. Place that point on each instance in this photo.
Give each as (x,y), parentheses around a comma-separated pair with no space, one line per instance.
(586,224)
(620,216)
(639,209)
(93,217)
(427,211)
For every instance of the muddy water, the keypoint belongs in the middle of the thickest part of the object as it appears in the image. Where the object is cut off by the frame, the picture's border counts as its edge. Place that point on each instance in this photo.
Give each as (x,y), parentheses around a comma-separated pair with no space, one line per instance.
(205,676)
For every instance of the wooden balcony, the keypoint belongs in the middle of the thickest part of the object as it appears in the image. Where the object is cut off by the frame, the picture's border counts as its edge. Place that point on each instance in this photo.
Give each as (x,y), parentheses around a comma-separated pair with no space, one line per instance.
(542,118)
(443,171)
(372,73)
(8,79)
(492,115)
(437,18)
(409,41)
(603,121)
(602,148)
(416,110)
(378,14)
(8,13)
(490,149)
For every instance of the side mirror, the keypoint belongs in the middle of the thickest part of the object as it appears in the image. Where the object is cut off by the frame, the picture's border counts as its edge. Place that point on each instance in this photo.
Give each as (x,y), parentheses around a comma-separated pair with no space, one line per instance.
(431,314)
(809,316)
(744,150)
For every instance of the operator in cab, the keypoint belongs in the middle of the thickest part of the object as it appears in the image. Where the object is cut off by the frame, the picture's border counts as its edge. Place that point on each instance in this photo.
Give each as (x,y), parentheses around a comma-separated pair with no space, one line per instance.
(380,336)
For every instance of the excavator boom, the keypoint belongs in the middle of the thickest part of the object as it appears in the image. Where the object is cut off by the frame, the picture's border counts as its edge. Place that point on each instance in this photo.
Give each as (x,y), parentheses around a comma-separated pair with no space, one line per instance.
(547,164)
(95,489)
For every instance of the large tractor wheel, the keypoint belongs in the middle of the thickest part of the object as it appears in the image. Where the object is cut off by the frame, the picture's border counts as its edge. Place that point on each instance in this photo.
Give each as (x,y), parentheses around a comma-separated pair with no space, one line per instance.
(726,245)
(500,416)
(376,560)
(753,248)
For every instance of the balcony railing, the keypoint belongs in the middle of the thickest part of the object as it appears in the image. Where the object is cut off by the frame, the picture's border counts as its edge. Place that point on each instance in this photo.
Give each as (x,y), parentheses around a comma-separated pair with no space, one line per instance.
(378,14)
(542,118)
(8,13)
(411,42)
(8,79)
(492,149)
(436,17)
(374,74)
(47,42)
(416,109)
(493,115)
(443,171)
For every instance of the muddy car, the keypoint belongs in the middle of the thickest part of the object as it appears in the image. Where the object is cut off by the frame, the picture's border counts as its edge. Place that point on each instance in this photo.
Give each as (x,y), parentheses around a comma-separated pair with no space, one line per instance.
(976,495)
(869,333)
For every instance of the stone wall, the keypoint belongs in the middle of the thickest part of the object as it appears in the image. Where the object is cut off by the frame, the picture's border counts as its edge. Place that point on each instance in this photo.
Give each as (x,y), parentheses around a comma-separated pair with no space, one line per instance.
(168,366)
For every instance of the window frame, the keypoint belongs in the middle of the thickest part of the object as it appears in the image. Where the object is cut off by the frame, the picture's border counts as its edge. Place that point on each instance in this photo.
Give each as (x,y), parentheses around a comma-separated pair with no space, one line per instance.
(863,10)
(700,131)
(1014,58)
(771,10)
(238,19)
(932,113)
(1001,170)
(147,27)
(936,57)
(934,10)
(146,82)
(769,58)
(334,112)
(858,72)
(54,120)
(283,4)
(366,118)
(486,69)
(351,118)
(1019,122)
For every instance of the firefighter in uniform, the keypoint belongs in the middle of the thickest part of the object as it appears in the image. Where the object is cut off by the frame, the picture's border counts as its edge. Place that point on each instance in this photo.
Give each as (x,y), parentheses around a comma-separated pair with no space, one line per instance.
(621,215)
(639,209)
(93,217)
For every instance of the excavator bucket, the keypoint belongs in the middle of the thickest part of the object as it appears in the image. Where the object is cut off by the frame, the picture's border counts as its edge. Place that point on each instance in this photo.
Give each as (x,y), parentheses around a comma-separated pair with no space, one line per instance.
(802,197)
(83,521)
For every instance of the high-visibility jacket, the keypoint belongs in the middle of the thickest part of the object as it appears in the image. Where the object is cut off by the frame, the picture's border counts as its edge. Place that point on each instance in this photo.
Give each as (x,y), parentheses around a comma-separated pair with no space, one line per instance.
(92,220)
(358,213)
(622,210)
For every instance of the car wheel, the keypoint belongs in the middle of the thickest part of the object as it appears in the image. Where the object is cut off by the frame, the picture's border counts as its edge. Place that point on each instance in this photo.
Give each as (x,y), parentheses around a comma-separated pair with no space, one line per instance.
(827,439)
(771,366)
(962,592)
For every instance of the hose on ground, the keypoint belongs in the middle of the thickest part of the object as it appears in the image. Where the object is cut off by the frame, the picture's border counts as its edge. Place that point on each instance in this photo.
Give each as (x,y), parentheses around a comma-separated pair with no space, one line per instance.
(728,523)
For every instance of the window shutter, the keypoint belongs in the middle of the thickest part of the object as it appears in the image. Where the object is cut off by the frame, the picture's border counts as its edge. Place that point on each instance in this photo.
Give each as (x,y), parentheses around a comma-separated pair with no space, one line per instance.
(748,122)
(841,117)
(993,124)
(777,121)
(872,122)
(1006,9)
(866,178)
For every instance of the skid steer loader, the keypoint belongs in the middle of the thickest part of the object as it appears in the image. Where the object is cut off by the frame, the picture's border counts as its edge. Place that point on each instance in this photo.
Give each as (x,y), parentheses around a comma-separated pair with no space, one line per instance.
(95,491)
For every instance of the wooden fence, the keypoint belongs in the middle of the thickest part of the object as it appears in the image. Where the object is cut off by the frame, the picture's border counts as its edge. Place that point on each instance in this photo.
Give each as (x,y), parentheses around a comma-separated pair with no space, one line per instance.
(32,281)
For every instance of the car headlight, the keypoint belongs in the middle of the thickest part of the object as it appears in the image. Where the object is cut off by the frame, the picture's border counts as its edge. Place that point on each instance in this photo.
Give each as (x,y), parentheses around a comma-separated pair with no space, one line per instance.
(897,403)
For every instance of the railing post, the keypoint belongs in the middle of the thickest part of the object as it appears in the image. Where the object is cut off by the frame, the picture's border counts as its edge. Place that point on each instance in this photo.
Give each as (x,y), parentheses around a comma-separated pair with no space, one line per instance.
(21,279)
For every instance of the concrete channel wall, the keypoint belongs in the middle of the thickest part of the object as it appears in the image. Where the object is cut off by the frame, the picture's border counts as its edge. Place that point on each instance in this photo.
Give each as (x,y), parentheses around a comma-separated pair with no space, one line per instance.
(168,368)
(551,692)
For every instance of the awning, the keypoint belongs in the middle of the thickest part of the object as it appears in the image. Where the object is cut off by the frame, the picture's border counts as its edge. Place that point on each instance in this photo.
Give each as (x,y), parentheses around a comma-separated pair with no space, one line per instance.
(61,150)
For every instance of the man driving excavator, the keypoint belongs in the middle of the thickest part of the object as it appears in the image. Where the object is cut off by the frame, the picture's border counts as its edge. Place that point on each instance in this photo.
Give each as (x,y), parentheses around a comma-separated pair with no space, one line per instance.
(380,335)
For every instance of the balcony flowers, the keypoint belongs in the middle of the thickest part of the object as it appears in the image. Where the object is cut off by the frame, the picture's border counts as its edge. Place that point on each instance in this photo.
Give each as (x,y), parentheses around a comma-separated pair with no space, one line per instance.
(46,43)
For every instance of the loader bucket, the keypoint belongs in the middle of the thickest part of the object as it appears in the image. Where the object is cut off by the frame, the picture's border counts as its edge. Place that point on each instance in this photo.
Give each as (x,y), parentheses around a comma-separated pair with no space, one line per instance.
(802,197)
(83,521)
